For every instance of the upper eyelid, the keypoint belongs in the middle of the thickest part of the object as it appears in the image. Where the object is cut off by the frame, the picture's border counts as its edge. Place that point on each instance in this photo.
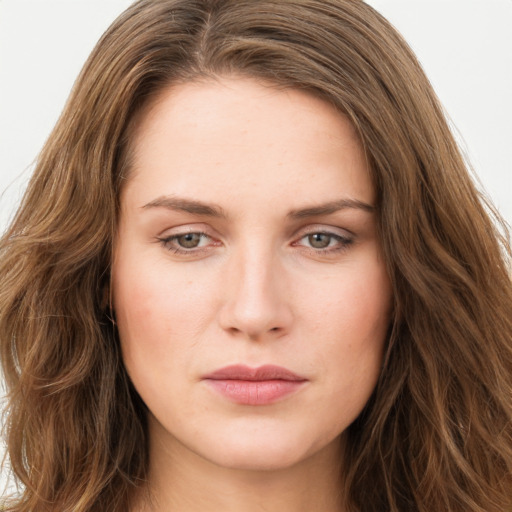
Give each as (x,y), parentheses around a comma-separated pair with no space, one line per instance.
(185,232)
(186,229)
(173,236)
(328,230)
(339,238)
(206,230)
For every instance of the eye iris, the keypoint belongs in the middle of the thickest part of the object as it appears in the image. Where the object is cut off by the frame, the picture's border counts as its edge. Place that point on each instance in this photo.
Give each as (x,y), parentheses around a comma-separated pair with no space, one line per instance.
(319,240)
(189,241)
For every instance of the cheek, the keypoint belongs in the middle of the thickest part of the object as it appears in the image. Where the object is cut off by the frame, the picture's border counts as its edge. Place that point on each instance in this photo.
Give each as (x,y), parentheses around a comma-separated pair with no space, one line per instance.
(351,318)
(353,306)
(160,314)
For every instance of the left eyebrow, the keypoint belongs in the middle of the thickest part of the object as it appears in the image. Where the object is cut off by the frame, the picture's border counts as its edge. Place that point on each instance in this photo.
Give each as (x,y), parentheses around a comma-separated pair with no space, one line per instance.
(331,207)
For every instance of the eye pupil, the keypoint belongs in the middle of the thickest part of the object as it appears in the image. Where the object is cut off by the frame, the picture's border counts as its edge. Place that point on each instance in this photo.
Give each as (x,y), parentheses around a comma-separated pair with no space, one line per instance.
(190,240)
(319,240)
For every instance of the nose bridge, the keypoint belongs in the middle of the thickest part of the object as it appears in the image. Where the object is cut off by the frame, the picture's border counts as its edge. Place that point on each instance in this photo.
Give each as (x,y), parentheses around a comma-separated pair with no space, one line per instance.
(255,303)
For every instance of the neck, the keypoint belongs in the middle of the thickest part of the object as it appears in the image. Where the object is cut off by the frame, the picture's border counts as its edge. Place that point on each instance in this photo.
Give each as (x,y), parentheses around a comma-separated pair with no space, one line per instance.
(182,480)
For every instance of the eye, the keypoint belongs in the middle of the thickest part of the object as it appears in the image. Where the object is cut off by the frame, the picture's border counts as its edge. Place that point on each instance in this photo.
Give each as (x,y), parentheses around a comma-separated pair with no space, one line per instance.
(319,240)
(189,241)
(324,242)
(183,243)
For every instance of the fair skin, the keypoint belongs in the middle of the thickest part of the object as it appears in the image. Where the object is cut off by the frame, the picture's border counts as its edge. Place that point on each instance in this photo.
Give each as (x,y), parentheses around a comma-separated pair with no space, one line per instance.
(248,237)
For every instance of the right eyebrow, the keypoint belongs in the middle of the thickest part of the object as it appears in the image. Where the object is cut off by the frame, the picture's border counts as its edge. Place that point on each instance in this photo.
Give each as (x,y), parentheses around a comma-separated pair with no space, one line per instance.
(186,205)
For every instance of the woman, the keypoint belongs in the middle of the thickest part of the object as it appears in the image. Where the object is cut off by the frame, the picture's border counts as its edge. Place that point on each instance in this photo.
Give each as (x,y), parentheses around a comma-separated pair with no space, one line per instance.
(251,273)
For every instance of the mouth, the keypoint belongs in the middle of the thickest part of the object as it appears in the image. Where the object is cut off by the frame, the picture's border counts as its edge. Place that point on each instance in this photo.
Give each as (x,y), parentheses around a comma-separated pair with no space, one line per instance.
(254,386)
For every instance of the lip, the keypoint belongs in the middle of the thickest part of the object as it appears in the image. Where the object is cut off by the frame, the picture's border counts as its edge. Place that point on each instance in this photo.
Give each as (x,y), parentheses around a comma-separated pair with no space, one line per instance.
(254,386)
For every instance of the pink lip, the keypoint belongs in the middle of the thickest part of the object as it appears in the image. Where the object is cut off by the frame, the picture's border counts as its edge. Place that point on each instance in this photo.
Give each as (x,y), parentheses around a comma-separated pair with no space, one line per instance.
(254,386)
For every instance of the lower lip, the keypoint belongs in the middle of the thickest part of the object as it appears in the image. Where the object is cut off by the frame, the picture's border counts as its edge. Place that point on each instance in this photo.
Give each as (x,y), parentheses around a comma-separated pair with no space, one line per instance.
(260,392)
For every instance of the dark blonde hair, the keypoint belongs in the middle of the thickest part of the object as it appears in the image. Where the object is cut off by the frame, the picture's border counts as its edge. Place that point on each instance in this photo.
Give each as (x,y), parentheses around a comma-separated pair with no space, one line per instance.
(437,432)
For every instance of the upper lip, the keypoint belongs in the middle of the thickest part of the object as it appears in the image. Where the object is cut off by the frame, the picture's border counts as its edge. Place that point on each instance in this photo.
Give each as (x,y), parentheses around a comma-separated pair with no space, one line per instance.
(265,372)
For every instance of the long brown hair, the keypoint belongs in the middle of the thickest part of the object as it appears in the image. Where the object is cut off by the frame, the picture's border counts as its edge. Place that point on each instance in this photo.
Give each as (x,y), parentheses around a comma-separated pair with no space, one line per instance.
(437,432)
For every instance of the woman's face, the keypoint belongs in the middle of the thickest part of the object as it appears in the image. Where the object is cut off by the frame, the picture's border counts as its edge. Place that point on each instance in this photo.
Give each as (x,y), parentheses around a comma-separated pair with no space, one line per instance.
(247,241)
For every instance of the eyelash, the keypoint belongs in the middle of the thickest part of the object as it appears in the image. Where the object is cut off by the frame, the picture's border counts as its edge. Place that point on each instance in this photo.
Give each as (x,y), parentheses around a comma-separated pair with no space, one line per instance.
(343,243)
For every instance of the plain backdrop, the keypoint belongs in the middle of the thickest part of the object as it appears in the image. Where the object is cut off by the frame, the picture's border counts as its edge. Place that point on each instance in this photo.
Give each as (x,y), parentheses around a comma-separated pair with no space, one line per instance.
(465,47)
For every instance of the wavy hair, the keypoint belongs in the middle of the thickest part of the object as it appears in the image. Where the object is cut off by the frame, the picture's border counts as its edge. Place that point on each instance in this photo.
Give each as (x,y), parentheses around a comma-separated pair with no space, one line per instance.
(436,434)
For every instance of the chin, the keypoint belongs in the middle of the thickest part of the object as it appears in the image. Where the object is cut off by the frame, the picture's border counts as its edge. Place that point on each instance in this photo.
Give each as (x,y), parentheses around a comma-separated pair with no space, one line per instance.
(261,453)
(257,460)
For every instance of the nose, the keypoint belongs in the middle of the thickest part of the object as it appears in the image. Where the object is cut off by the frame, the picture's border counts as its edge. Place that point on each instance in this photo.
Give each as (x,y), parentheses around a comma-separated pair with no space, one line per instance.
(256,301)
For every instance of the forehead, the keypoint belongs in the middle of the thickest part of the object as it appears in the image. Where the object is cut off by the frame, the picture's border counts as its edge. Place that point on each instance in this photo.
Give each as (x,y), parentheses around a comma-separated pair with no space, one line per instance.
(216,137)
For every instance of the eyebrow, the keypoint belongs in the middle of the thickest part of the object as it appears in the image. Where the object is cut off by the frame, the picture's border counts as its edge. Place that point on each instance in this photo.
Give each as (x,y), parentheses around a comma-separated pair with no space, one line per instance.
(186,205)
(213,210)
(329,208)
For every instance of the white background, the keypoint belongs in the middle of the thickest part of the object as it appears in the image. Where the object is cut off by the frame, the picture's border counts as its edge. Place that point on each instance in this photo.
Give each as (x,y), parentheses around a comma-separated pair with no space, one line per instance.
(465,47)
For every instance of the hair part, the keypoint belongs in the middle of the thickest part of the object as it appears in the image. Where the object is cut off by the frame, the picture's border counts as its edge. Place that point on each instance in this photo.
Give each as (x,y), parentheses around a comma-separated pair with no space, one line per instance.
(437,432)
